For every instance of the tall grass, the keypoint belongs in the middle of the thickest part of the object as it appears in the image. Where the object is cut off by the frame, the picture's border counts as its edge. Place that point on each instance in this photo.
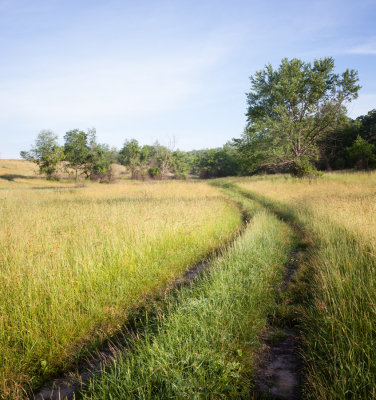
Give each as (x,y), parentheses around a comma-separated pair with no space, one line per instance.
(25,174)
(75,262)
(206,345)
(339,319)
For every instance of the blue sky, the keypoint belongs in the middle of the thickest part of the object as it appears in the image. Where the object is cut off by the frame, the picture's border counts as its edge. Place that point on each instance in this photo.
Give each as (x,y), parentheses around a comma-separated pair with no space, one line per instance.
(158,70)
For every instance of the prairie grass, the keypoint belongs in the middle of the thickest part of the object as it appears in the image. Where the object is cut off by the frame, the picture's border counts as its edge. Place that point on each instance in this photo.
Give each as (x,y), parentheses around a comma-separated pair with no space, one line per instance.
(19,172)
(206,344)
(74,262)
(339,313)
(25,174)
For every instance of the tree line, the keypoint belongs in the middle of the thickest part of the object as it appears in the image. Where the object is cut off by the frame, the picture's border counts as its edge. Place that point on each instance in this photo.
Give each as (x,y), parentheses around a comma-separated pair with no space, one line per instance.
(84,157)
(81,154)
(296,123)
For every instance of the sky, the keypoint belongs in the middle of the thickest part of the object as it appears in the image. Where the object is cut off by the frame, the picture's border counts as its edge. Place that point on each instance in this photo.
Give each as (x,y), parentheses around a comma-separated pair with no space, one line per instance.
(174,71)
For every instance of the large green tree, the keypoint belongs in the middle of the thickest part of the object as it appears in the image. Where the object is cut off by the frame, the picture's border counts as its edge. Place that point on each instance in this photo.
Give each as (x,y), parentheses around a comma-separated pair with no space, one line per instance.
(46,153)
(290,109)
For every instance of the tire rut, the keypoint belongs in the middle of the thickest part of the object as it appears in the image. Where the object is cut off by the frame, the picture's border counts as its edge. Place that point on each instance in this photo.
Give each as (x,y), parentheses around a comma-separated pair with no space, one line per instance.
(278,375)
(69,385)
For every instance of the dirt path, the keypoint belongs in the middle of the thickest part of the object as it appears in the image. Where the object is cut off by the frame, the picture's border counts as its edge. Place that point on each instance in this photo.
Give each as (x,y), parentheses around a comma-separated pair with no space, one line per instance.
(278,375)
(279,371)
(68,387)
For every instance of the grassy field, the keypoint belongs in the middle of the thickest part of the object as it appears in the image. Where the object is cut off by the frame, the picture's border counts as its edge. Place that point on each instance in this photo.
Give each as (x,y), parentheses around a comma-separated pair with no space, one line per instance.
(75,261)
(21,173)
(206,345)
(339,301)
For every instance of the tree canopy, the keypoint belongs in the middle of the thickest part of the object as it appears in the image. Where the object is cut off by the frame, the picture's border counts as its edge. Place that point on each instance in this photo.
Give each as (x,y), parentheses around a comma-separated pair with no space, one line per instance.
(290,109)
(46,153)
(129,155)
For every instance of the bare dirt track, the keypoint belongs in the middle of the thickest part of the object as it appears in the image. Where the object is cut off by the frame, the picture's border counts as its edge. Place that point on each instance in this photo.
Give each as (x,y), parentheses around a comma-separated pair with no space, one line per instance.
(278,375)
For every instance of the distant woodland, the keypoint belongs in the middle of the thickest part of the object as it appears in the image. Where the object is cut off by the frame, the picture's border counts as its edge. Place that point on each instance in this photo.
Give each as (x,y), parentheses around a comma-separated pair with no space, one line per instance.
(296,123)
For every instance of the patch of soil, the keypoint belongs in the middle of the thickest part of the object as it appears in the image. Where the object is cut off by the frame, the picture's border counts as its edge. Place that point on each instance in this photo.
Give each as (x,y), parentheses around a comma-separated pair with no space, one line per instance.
(278,376)
(68,387)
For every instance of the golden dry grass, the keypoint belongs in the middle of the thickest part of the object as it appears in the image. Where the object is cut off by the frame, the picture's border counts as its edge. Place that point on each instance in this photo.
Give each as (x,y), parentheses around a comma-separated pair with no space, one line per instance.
(22,173)
(339,287)
(348,200)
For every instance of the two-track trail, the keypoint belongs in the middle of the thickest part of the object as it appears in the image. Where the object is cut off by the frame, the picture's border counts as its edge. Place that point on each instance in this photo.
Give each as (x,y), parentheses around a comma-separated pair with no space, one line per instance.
(69,384)
(68,387)
(278,371)
(278,374)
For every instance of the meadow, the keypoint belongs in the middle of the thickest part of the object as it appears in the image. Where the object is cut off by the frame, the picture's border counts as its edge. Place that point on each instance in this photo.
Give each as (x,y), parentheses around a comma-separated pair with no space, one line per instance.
(77,260)
(337,292)
(207,343)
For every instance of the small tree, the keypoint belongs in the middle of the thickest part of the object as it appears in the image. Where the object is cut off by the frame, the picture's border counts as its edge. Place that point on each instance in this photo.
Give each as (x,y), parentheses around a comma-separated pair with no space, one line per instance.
(129,156)
(46,153)
(163,158)
(76,149)
(180,164)
(99,162)
(290,109)
(362,153)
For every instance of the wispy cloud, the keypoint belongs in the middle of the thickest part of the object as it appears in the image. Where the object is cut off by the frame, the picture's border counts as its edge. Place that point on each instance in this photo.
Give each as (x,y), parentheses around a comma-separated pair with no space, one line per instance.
(366,48)
(92,88)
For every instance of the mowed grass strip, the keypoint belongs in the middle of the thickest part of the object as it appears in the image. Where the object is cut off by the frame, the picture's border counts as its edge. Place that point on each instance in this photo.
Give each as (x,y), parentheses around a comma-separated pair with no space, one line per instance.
(75,262)
(206,345)
(339,314)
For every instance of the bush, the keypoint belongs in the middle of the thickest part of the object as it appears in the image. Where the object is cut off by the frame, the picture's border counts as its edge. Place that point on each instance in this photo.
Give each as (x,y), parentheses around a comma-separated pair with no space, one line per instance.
(304,169)
(154,172)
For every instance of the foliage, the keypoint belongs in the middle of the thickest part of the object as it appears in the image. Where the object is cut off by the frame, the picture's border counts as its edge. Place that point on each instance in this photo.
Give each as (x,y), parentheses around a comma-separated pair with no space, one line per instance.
(76,149)
(362,153)
(303,168)
(215,163)
(368,126)
(86,156)
(334,147)
(164,159)
(129,155)
(156,161)
(154,171)
(46,153)
(291,108)
(98,164)
(180,164)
